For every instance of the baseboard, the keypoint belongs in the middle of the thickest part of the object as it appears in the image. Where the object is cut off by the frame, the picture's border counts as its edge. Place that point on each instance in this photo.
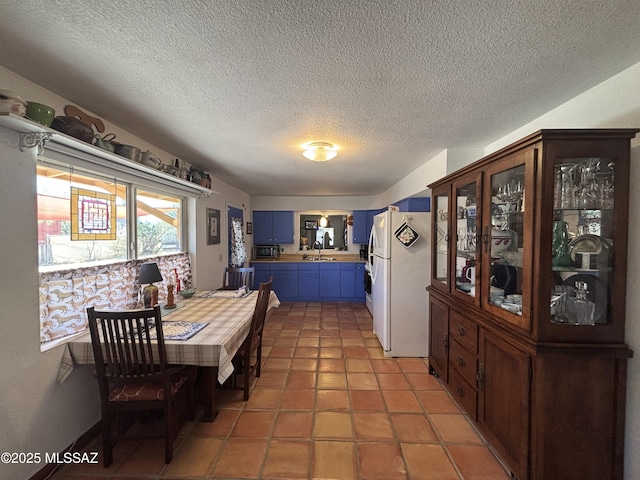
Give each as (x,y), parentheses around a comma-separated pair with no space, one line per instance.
(79,444)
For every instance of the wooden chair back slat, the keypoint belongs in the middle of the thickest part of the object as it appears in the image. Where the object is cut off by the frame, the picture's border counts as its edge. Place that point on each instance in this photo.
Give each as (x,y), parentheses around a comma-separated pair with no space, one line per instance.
(260,312)
(126,351)
(236,277)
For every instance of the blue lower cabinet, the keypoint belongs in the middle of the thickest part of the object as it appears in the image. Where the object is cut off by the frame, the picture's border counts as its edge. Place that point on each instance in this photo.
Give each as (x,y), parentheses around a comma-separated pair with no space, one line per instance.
(285,280)
(313,282)
(348,280)
(330,280)
(359,288)
(262,274)
(309,282)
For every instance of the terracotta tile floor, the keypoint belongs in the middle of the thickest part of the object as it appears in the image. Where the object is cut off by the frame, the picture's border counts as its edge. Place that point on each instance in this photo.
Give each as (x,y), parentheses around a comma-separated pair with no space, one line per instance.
(327,406)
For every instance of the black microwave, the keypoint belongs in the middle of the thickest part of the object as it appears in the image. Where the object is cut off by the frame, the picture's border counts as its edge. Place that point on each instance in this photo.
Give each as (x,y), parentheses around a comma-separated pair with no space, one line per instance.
(266,251)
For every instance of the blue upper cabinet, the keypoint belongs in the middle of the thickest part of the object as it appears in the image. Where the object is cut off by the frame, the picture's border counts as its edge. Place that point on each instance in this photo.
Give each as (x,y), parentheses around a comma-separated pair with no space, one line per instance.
(418,204)
(283,227)
(272,227)
(359,233)
(263,228)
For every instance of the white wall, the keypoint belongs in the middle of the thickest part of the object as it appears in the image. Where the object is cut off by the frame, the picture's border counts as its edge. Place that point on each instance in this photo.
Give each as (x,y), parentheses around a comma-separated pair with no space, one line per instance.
(36,413)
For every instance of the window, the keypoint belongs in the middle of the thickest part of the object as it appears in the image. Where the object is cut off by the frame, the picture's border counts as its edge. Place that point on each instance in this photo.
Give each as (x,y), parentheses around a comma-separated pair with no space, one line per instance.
(91,242)
(55,244)
(159,225)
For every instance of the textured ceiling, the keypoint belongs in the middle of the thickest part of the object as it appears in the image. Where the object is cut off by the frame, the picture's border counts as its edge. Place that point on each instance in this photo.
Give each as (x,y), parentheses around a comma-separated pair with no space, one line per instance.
(237,87)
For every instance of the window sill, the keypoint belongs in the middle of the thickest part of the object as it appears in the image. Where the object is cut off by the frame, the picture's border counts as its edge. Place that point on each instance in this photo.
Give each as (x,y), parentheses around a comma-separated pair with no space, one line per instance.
(45,347)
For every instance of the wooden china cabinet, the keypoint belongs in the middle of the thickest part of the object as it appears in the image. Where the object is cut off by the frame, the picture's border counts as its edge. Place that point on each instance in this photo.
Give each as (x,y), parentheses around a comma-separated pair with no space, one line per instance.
(527,300)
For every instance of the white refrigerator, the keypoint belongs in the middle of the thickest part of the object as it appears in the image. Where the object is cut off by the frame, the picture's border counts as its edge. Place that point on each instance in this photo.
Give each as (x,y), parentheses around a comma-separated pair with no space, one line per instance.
(400,265)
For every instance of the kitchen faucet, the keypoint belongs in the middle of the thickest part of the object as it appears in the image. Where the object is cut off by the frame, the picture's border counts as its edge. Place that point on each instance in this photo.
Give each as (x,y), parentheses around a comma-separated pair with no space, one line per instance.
(319,248)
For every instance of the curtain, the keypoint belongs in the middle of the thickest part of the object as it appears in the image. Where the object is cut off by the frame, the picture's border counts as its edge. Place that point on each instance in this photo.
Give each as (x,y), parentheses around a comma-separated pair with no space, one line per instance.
(65,294)
(238,251)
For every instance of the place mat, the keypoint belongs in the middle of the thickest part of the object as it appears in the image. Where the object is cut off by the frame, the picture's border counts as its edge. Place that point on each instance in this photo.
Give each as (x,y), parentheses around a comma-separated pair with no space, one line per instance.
(179,330)
(166,311)
(226,294)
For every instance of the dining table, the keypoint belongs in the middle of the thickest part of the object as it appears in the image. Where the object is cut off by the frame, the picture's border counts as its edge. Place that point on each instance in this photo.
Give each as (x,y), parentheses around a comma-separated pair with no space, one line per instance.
(212,326)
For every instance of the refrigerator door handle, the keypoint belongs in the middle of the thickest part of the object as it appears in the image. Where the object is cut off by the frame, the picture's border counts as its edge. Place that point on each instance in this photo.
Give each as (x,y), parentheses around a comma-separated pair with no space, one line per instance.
(371,244)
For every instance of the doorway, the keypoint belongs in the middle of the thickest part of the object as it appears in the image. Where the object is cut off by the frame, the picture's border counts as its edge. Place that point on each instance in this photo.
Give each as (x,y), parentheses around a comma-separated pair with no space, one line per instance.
(232,212)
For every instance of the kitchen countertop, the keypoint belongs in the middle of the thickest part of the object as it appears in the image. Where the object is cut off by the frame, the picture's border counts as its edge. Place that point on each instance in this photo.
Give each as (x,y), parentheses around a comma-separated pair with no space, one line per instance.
(291,258)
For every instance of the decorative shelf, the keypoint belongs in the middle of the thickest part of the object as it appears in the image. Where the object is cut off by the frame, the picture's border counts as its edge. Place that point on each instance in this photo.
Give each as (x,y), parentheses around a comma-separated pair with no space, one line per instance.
(33,134)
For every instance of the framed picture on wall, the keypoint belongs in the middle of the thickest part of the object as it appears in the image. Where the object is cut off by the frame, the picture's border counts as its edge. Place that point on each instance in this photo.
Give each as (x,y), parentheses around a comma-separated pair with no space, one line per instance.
(249,228)
(213,226)
(311,225)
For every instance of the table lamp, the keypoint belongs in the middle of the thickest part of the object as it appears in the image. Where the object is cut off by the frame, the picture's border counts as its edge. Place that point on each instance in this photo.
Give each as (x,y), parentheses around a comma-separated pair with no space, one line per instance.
(149,273)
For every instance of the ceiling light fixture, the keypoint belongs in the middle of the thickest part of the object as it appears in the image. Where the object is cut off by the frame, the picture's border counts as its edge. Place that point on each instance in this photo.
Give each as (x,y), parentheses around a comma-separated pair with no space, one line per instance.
(319,151)
(323,220)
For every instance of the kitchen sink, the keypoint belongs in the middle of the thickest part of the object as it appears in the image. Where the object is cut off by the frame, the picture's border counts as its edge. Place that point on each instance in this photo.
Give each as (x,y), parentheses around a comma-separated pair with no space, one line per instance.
(322,259)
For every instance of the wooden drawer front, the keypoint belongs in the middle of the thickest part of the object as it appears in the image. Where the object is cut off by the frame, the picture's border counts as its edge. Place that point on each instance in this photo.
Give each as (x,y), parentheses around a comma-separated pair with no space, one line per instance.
(463,393)
(463,361)
(464,331)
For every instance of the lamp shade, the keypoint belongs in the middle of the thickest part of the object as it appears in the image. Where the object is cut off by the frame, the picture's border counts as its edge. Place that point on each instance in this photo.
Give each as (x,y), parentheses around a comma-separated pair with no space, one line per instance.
(149,273)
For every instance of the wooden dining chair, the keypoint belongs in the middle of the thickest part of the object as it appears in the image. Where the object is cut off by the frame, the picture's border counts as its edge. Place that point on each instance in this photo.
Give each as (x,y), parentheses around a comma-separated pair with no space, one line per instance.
(253,343)
(133,375)
(236,277)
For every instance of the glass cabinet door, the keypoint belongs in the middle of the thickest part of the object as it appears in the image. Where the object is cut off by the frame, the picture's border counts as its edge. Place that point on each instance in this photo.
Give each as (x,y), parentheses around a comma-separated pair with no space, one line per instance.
(506,274)
(441,237)
(465,247)
(582,240)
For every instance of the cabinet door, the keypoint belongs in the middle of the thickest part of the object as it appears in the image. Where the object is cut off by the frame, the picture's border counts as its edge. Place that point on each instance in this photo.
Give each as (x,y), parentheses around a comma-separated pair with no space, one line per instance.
(282,227)
(285,280)
(504,399)
(330,280)
(359,288)
(347,280)
(506,275)
(586,237)
(309,282)
(465,242)
(262,273)
(440,236)
(263,228)
(438,338)
(359,232)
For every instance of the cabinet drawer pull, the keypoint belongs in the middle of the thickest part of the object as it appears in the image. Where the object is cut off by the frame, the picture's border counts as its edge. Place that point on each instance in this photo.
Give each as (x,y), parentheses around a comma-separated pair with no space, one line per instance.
(461,361)
(461,330)
(480,377)
(461,392)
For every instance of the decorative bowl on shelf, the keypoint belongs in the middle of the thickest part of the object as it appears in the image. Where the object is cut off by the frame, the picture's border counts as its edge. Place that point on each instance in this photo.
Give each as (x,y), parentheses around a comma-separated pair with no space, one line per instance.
(188,292)
(12,103)
(42,114)
(500,240)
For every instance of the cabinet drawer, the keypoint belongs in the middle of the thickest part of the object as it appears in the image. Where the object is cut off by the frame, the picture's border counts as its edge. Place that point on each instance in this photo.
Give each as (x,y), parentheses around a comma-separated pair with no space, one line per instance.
(463,361)
(463,393)
(464,331)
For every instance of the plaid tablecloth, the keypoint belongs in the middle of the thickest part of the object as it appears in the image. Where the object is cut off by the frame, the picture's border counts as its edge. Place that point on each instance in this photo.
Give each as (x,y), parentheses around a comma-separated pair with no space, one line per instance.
(215,345)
